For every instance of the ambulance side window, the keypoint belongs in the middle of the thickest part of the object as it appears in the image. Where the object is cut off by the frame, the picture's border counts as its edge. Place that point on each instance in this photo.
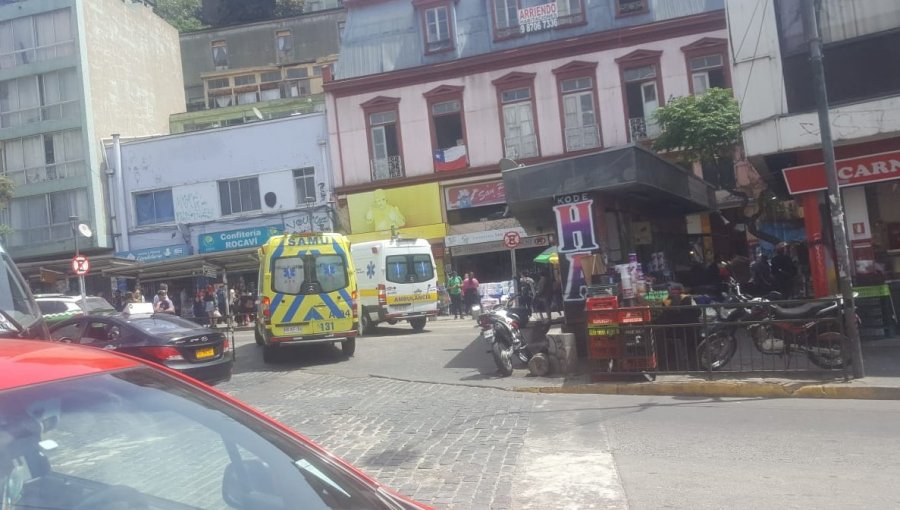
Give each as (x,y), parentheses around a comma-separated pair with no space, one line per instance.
(287,275)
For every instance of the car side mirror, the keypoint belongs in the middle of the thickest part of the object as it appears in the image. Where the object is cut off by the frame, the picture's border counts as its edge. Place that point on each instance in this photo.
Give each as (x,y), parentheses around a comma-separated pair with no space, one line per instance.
(249,484)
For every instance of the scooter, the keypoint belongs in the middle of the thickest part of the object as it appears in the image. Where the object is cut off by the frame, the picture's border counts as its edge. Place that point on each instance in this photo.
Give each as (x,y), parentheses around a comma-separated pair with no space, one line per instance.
(501,329)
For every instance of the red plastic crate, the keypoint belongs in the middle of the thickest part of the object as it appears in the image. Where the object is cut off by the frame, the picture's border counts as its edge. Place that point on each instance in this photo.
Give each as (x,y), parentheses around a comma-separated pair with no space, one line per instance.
(633,315)
(601,303)
(603,329)
(604,347)
(602,317)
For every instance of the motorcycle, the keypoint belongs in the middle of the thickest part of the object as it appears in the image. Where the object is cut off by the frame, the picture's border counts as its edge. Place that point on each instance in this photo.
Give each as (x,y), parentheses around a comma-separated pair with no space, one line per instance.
(501,329)
(775,331)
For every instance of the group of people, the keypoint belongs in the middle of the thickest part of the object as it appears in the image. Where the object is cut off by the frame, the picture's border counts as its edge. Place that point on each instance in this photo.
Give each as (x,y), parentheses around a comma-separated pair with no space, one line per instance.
(162,303)
(463,293)
(208,307)
(779,274)
(543,296)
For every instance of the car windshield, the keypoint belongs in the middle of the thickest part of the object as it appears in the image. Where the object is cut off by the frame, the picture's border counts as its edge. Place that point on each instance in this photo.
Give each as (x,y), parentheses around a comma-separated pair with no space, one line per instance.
(16,303)
(141,439)
(164,324)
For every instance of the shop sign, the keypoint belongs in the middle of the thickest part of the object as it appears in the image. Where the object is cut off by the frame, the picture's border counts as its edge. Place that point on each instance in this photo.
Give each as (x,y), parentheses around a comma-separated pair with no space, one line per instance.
(475,195)
(383,209)
(173,251)
(575,228)
(237,239)
(538,18)
(495,246)
(485,236)
(851,172)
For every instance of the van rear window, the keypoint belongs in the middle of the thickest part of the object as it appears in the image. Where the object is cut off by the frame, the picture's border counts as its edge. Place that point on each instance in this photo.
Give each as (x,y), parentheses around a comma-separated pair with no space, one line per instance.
(310,274)
(409,268)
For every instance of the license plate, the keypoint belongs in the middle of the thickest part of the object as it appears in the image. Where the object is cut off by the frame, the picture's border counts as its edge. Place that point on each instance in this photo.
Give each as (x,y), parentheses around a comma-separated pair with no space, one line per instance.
(292,329)
(489,334)
(208,352)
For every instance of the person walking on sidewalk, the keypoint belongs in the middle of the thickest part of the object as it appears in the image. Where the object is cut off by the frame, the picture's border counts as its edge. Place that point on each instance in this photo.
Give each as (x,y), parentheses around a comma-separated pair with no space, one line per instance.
(454,289)
(470,291)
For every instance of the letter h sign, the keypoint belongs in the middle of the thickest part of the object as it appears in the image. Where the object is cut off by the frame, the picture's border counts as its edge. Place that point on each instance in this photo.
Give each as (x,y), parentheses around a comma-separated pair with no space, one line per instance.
(575,225)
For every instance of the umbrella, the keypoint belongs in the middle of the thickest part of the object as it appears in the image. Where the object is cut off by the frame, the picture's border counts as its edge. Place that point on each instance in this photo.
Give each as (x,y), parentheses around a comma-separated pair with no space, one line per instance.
(548,256)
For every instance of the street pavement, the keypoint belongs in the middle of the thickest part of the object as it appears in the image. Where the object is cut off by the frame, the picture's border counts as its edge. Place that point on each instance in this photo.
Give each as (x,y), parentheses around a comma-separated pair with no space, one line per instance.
(426,414)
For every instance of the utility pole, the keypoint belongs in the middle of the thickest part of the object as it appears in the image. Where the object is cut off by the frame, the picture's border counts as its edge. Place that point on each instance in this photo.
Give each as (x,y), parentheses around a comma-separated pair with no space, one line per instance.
(74,220)
(835,204)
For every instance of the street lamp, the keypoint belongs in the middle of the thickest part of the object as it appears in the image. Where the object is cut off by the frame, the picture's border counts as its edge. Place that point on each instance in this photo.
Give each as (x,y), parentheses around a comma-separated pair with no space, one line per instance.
(85,230)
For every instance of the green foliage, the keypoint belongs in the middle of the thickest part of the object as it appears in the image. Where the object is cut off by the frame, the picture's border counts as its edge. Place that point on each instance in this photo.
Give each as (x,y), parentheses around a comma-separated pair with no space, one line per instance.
(701,128)
(181,14)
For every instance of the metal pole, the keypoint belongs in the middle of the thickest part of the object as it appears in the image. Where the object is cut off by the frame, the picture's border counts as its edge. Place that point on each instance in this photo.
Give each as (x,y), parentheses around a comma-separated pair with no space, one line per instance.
(811,28)
(515,278)
(74,220)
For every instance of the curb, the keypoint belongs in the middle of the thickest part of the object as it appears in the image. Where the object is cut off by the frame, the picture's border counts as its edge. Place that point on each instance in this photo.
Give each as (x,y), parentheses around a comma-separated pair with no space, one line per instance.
(726,389)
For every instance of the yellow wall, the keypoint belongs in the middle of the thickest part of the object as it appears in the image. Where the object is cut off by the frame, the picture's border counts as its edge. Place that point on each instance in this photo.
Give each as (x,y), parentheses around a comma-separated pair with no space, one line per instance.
(404,208)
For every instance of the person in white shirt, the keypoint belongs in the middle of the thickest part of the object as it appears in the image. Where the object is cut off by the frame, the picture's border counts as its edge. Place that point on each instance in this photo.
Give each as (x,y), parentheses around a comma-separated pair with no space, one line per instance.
(162,303)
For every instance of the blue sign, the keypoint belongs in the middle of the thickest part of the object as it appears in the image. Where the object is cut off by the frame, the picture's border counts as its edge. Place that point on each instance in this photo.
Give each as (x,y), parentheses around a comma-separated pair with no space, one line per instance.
(237,239)
(173,251)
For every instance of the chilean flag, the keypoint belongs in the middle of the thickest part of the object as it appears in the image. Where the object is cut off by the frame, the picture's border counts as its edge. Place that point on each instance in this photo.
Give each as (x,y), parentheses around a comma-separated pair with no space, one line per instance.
(453,158)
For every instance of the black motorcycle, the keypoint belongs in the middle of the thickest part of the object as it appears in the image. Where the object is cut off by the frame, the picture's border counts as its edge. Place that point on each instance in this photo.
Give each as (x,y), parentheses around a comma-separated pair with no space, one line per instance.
(501,328)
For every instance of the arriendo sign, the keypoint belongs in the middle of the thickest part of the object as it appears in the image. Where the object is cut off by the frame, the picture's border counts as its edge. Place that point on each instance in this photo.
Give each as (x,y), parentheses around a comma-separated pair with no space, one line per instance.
(851,172)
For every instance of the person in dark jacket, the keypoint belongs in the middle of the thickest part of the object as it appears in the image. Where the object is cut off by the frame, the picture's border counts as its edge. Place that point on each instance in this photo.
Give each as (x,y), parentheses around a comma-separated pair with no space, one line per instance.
(784,271)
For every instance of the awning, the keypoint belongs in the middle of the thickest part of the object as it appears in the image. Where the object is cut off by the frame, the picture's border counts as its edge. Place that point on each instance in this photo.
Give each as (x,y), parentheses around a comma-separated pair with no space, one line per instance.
(195,265)
(631,172)
(99,263)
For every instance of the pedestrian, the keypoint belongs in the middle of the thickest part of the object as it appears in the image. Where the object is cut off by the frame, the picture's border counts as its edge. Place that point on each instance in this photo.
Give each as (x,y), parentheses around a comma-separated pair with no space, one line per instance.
(761,276)
(209,305)
(200,309)
(129,298)
(542,291)
(138,295)
(118,300)
(470,291)
(454,289)
(163,287)
(162,303)
(784,271)
(526,291)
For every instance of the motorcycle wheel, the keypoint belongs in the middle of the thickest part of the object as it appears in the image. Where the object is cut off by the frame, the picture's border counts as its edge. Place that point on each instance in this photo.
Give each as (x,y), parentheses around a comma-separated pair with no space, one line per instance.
(717,350)
(503,358)
(833,356)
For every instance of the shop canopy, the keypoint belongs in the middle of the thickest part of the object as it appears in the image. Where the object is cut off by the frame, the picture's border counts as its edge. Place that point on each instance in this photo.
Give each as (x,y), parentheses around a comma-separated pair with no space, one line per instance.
(204,264)
(61,268)
(631,173)
(548,256)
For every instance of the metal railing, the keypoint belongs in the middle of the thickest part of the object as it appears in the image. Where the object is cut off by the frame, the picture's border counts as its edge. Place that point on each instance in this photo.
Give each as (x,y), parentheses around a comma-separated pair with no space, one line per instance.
(582,137)
(642,129)
(521,146)
(28,55)
(702,339)
(390,167)
(53,172)
(61,110)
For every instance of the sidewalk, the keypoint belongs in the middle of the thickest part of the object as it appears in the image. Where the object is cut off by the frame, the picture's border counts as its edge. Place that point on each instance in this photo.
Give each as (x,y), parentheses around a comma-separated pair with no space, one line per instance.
(882,382)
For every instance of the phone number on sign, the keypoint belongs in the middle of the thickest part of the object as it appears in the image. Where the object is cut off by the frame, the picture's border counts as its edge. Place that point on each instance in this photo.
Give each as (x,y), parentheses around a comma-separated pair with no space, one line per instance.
(537,26)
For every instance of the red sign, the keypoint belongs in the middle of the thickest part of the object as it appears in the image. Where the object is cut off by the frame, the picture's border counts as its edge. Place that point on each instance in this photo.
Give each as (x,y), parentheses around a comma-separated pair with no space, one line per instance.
(475,195)
(511,239)
(851,172)
(81,265)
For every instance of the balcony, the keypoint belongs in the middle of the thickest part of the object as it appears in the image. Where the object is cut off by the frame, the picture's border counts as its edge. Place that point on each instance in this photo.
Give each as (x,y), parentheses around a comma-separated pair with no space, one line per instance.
(46,173)
(521,147)
(642,129)
(582,137)
(57,111)
(390,167)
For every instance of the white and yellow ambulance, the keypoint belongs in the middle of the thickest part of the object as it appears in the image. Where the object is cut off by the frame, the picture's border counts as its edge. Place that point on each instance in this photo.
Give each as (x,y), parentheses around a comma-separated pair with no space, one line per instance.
(397,282)
(307,293)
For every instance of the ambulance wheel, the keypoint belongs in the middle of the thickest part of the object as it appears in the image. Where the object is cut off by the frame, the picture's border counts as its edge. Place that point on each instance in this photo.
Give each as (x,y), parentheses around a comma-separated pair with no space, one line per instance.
(348,346)
(418,324)
(365,325)
(259,337)
(270,354)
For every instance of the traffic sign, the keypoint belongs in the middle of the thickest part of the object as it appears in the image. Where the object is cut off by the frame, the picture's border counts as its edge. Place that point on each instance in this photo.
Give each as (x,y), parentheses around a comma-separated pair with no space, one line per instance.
(511,239)
(81,265)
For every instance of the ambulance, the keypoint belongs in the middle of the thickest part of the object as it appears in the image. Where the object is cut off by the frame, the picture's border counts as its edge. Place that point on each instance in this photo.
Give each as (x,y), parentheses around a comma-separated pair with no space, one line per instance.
(397,282)
(307,293)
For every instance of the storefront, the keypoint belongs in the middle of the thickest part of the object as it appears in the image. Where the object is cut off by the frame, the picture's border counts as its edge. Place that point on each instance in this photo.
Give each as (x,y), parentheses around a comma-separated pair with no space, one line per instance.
(620,217)
(413,211)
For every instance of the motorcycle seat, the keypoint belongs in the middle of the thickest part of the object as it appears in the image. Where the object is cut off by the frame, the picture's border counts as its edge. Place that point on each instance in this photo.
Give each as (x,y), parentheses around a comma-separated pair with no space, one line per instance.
(806,310)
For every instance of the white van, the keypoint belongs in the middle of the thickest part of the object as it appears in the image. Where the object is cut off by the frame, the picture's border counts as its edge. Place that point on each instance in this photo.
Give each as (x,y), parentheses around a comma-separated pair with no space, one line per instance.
(397,282)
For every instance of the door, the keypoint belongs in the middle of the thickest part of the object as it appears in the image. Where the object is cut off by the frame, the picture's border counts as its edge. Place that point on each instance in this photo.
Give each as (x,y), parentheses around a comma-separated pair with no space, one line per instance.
(651,104)
(411,281)
(380,165)
(581,123)
(519,139)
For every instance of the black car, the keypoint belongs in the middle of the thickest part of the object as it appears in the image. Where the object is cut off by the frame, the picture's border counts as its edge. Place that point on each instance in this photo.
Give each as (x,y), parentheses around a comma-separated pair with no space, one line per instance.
(181,345)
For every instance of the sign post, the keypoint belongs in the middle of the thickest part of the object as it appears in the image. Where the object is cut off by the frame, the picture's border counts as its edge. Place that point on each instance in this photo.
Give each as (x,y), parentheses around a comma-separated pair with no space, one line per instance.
(511,240)
(80,266)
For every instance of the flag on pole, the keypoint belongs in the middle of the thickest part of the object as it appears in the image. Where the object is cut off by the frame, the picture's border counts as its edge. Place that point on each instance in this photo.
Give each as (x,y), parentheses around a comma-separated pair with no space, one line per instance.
(453,158)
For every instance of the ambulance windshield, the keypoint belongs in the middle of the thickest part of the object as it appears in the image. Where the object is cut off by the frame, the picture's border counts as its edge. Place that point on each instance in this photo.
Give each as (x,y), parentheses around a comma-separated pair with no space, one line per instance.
(309,274)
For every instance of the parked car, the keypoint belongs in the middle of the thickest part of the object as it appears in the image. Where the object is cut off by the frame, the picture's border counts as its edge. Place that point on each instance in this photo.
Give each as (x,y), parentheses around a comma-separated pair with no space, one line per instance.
(59,307)
(177,343)
(86,428)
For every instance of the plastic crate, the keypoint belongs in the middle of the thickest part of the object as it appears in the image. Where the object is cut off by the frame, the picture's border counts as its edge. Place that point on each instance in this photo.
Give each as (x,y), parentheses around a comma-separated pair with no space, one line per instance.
(604,347)
(601,303)
(603,330)
(634,315)
(602,317)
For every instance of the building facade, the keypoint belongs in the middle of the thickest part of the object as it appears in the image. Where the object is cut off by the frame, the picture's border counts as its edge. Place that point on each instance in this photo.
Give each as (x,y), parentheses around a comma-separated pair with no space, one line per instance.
(447,94)
(72,72)
(259,70)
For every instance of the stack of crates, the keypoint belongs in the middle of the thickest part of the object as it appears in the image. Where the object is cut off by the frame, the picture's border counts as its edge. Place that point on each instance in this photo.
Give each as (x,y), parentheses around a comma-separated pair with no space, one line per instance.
(603,327)
(638,349)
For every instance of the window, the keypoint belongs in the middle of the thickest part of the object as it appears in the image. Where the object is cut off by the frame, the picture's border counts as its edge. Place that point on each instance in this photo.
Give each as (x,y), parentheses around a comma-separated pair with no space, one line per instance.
(30,99)
(270,76)
(154,207)
(384,137)
(706,73)
(305,185)
(516,93)
(218,83)
(579,114)
(448,136)
(298,72)
(220,54)
(34,38)
(317,71)
(46,157)
(438,31)
(570,12)
(642,86)
(506,18)
(340,27)
(239,195)
(245,79)
(409,268)
(284,42)
(310,274)
(43,218)
(629,7)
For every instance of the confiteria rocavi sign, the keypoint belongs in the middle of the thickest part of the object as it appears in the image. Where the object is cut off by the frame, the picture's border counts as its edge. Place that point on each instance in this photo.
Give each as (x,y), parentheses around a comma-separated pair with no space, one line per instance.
(851,172)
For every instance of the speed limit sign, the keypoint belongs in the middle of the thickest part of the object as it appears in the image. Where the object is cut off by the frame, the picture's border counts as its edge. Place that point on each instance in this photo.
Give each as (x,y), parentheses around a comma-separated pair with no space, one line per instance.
(81,265)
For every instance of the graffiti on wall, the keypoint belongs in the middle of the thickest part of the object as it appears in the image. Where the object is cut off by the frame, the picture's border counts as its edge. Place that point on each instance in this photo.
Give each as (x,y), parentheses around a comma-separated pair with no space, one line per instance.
(321,222)
(575,227)
(192,206)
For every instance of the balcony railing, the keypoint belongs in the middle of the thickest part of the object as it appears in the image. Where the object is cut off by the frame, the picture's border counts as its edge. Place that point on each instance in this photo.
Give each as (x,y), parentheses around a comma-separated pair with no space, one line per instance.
(47,173)
(390,167)
(29,55)
(581,138)
(642,129)
(520,147)
(63,110)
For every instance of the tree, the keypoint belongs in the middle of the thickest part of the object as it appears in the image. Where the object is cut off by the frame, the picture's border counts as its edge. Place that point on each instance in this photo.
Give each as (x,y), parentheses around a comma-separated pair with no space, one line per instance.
(706,128)
(181,14)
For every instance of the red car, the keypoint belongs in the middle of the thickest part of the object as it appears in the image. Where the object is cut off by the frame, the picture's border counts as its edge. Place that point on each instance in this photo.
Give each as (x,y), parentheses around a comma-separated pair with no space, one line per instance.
(84,428)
